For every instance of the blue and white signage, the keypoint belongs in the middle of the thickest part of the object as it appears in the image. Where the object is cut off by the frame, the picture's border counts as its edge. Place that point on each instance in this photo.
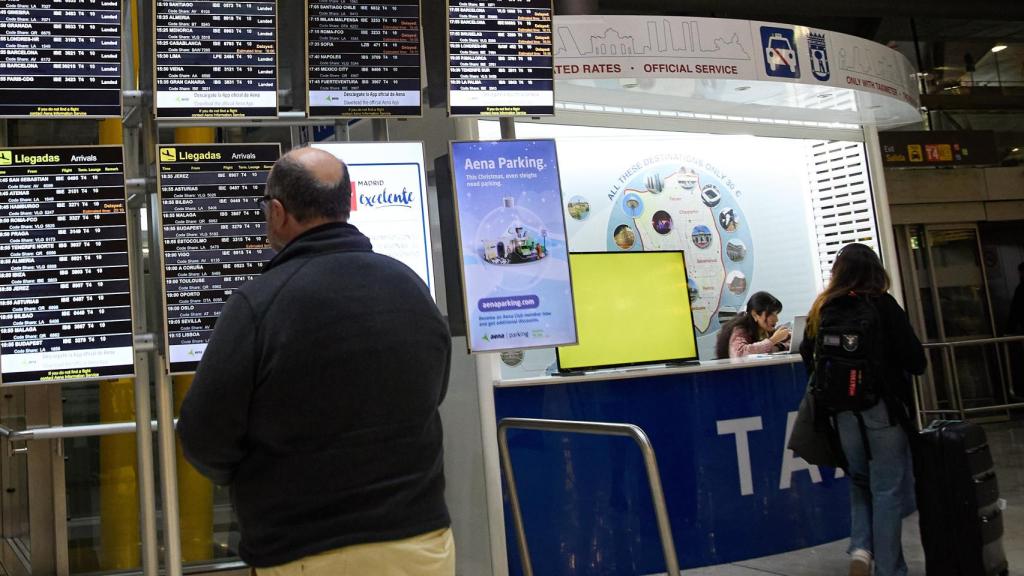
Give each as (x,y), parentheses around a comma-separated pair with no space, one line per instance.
(389,202)
(515,265)
(780,52)
(818,49)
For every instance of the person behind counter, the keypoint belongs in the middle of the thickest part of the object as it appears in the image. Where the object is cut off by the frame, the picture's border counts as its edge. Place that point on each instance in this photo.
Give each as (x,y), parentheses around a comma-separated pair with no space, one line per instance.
(753,331)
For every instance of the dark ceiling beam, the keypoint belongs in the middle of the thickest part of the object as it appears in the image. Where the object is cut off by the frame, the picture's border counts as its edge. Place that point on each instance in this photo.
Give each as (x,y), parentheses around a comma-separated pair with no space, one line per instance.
(954,9)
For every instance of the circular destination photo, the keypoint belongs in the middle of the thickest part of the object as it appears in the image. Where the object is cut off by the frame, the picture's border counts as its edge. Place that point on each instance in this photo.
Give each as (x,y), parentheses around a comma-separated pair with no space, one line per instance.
(632,205)
(688,179)
(512,358)
(710,196)
(624,237)
(701,236)
(736,281)
(578,207)
(692,289)
(727,218)
(662,222)
(736,250)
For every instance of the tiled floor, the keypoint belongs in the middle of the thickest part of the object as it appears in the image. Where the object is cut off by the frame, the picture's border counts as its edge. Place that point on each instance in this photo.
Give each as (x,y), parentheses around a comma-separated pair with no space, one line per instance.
(1007,443)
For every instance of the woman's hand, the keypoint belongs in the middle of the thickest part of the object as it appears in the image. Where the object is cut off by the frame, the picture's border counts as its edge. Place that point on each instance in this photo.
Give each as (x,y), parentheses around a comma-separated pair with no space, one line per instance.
(781,335)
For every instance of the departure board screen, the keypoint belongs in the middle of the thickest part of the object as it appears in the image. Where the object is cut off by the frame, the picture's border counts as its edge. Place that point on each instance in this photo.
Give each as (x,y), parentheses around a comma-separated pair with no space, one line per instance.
(500,57)
(363,59)
(60,58)
(214,236)
(216,59)
(65,302)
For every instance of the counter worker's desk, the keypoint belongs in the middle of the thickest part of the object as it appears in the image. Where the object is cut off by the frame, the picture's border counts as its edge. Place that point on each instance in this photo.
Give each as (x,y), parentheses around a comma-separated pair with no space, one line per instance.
(719,430)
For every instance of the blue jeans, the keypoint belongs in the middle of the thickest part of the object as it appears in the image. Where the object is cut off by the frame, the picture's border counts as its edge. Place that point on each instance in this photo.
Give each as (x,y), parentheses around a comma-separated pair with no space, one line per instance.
(881,489)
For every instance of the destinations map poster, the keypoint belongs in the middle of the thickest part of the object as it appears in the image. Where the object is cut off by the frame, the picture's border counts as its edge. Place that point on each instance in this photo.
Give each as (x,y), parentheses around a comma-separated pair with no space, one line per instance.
(739,206)
(515,265)
(363,59)
(60,58)
(65,301)
(500,58)
(389,200)
(216,59)
(214,236)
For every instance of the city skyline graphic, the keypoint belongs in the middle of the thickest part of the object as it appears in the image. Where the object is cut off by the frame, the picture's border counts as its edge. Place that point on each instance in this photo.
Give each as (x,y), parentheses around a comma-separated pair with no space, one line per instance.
(665,38)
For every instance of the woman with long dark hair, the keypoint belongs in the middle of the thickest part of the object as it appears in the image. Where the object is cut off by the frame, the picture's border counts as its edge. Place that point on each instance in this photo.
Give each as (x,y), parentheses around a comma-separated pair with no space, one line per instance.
(753,331)
(881,471)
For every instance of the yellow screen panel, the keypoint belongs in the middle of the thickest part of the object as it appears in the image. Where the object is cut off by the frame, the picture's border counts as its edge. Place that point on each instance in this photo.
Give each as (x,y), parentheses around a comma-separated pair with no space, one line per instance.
(631,308)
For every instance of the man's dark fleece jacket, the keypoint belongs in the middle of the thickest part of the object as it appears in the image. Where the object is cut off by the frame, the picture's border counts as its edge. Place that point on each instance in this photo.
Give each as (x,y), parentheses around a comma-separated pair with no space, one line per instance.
(317,400)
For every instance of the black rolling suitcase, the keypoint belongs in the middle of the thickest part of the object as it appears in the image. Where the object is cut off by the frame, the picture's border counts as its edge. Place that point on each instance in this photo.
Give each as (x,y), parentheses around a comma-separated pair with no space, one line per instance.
(958,501)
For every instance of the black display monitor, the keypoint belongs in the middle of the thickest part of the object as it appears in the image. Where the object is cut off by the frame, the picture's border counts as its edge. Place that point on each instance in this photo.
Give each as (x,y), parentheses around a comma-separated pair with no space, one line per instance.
(215,59)
(632,308)
(65,297)
(213,236)
(500,58)
(60,58)
(363,59)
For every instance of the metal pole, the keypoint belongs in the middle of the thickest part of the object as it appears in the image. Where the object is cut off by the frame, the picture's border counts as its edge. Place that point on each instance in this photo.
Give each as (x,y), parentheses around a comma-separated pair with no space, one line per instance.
(168,470)
(599,429)
(341,133)
(380,130)
(508,127)
(143,411)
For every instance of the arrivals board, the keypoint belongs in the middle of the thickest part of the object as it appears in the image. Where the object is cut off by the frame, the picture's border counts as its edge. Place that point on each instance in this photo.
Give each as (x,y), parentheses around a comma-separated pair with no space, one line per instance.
(65,301)
(363,59)
(214,236)
(216,59)
(60,58)
(500,57)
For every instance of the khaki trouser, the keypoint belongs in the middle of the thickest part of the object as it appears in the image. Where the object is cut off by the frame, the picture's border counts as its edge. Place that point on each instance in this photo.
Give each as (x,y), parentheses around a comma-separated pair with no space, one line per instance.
(430,554)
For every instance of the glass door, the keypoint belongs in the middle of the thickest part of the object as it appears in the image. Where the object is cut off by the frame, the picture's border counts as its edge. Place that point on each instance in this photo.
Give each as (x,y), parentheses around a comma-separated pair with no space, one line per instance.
(961,311)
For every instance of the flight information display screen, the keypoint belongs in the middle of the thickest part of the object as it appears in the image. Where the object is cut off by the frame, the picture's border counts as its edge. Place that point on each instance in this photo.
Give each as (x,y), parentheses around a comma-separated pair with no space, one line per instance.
(216,59)
(214,236)
(65,301)
(60,58)
(500,57)
(363,59)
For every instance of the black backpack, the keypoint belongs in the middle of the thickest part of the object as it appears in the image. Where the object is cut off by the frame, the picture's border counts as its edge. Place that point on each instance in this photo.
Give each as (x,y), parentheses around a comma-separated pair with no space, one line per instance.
(848,355)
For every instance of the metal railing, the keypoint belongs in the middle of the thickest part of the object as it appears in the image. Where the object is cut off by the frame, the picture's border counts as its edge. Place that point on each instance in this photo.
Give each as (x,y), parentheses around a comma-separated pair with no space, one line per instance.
(952,378)
(593,428)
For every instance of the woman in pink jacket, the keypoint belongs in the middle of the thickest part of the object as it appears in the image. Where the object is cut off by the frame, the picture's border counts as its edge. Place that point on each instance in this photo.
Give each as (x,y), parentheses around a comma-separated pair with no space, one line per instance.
(753,331)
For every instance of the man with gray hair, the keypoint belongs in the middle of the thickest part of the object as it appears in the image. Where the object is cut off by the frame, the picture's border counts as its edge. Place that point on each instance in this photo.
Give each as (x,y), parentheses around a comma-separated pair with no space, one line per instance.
(317,398)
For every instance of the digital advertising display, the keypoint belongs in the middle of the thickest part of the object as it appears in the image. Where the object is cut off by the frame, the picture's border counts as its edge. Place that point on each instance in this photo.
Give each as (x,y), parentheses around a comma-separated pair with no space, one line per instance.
(631,308)
(363,59)
(60,58)
(389,200)
(214,236)
(215,59)
(515,267)
(500,58)
(65,300)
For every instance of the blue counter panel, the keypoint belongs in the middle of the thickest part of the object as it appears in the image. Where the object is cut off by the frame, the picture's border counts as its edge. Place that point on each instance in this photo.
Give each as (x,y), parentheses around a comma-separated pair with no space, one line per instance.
(586,502)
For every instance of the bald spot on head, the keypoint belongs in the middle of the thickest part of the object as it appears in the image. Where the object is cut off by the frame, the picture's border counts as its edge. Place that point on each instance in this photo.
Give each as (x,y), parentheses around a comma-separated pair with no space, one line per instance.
(323,166)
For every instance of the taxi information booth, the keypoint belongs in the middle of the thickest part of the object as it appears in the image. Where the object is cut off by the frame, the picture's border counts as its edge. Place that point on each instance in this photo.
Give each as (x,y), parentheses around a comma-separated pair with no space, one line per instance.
(745,145)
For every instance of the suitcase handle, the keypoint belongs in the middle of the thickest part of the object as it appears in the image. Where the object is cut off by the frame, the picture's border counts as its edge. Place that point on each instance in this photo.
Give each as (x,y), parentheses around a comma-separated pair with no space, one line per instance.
(984,477)
(977,449)
(991,517)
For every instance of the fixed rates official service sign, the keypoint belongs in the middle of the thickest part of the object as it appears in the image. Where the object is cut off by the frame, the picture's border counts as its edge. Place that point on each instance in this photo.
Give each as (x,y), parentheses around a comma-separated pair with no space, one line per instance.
(515,265)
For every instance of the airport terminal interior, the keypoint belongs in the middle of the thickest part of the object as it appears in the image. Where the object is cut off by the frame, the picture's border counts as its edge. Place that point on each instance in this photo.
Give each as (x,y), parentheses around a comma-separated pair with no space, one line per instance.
(590,190)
